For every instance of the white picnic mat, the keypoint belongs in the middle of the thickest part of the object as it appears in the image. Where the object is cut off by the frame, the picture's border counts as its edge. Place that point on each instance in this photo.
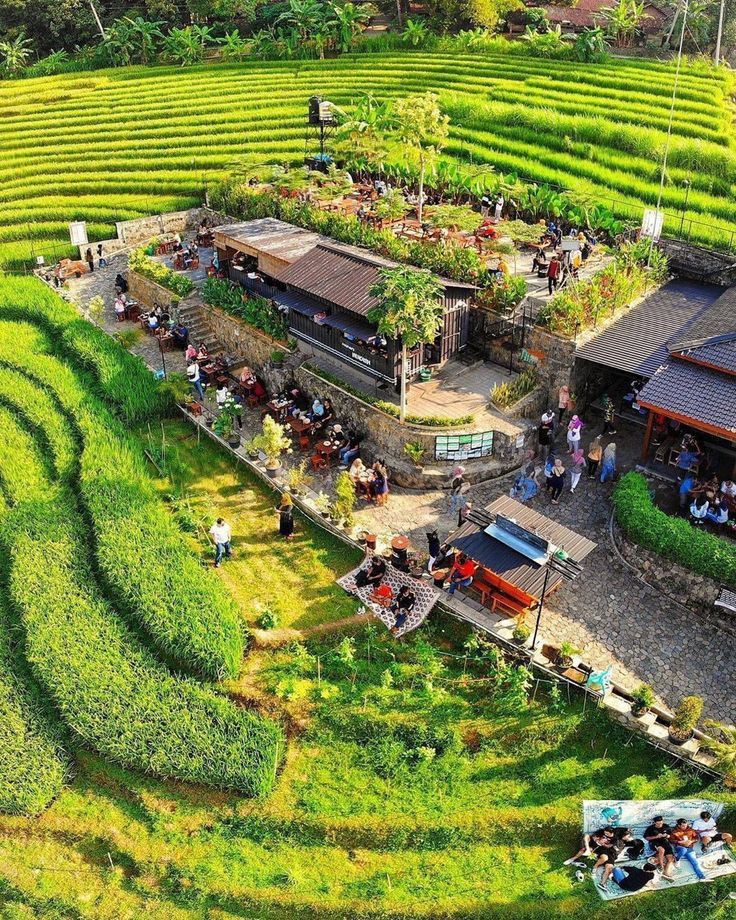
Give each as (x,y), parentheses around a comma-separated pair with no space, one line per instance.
(425,592)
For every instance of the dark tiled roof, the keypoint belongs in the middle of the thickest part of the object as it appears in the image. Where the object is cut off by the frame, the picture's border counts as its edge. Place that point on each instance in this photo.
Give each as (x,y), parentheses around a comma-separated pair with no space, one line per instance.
(718,324)
(637,342)
(721,355)
(590,13)
(694,393)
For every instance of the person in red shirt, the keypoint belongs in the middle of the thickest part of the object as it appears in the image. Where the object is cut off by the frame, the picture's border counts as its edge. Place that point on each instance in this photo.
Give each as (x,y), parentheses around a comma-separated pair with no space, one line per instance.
(554,271)
(461,573)
(683,838)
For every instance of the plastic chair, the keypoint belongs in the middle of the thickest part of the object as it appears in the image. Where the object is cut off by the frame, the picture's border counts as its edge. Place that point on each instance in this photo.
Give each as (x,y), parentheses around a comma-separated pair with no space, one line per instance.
(600,680)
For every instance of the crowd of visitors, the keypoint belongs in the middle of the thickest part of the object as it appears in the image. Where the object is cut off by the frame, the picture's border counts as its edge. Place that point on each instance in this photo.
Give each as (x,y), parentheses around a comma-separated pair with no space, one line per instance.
(664,845)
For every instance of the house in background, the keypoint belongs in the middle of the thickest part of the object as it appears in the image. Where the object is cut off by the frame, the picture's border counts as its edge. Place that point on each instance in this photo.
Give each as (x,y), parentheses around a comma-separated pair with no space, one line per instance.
(588,14)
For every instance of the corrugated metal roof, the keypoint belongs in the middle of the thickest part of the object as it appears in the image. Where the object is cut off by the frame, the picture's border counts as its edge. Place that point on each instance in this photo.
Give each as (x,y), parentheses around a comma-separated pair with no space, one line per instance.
(506,562)
(337,277)
(694,393)
(637,342)
(268,235)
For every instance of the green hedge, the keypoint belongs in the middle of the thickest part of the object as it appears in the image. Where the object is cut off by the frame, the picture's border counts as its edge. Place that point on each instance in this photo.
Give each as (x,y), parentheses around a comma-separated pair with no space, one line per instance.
(429,421)
(121,379)
(672,537)
(141,263)
(145,561)
(256,310)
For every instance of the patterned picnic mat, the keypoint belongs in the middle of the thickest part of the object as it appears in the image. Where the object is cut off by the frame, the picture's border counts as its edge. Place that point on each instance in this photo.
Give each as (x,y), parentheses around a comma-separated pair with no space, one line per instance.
(425,592)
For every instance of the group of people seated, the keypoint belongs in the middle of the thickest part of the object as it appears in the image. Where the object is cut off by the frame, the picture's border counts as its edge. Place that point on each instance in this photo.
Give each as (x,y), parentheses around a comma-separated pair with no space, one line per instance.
(205,235)
(705,498)
(371,483)
(185,256)
(667,846)
(401,604)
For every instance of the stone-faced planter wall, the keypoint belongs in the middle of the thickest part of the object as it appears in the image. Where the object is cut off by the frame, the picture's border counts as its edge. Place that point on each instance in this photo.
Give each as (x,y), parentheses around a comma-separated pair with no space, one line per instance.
(671,578)
(149,292)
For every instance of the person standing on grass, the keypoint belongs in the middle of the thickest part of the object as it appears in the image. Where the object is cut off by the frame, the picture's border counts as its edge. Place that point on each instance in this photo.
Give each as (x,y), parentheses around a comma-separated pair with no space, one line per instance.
(222,535)
(286,516)
(576,469)
(595,452)
(557,481)
(90,259)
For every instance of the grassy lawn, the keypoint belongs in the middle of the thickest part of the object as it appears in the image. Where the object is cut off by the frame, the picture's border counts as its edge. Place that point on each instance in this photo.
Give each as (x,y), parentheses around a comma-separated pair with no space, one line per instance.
(293,578)
(414,786)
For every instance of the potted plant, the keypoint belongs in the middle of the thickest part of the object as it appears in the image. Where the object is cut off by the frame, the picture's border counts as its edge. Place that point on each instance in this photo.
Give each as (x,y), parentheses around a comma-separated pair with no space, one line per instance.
(251,447)
(273,442)
(687,716)
(297,478)
(521,632)
(642,700)
(415,451)
(224,424)
(322,504)
(566,654)
(277,358)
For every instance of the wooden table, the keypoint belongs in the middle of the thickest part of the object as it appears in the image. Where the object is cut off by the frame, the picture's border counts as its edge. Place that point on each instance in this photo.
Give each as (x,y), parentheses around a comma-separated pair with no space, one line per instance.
(327,449)
(279,410)
(299,425)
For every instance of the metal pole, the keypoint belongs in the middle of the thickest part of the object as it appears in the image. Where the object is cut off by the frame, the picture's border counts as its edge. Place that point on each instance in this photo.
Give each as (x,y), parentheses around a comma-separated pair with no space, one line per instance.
(97,19)
(720,33)
(686,183)
(539,609)
(163,359)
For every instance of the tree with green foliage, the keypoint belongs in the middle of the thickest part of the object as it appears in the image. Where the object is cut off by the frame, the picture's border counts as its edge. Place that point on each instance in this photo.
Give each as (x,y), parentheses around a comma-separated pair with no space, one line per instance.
(590,45)
(623,20)
(421,129)
(346,23)
(188,46)
(362,138)
(14,54)
(415,32)
(409,309)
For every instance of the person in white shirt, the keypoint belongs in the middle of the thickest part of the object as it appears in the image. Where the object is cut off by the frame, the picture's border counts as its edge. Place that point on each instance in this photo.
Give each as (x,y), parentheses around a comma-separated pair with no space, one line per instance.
(221,396)
(707,830)
(221,534)
(194,378)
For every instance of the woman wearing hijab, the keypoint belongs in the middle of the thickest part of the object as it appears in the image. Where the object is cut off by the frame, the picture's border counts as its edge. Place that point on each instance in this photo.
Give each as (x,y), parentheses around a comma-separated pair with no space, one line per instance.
(557,481)
(608,467)
(574,430)
(286,516)
(576,469)
(595,452)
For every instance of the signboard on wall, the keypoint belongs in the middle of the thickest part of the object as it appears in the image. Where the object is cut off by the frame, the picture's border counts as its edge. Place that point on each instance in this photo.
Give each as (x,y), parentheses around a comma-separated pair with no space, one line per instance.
(463,446)
(78,233)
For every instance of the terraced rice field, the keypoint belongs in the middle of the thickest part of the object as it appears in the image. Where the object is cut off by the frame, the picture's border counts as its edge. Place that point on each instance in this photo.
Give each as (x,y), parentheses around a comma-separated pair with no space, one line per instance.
(112,145)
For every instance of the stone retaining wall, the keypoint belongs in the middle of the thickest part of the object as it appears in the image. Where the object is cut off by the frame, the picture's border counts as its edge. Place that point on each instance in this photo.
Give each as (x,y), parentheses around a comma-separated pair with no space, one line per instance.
(149,292)
(699,263)
(671,578)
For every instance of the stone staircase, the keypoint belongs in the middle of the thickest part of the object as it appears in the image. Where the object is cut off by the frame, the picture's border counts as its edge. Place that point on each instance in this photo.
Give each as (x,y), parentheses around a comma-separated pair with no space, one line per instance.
(192,313)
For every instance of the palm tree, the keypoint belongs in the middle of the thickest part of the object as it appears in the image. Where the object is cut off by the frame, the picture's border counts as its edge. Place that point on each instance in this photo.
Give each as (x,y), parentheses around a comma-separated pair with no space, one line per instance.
(346,23)
(15,53)
(623,20)
(304,17)
(145,34)
(409,309)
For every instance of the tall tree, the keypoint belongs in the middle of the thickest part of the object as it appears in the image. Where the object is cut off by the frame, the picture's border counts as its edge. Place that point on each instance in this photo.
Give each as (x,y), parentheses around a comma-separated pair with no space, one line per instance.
(409,309)
(15,53)
(421,128)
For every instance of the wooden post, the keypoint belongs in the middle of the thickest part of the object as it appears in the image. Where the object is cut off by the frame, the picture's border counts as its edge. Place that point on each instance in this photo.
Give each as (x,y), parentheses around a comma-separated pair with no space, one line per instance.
(647,437)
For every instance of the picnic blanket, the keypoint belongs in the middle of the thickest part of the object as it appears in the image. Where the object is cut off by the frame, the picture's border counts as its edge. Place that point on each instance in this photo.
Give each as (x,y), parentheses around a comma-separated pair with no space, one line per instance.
(425,592)
(638,814)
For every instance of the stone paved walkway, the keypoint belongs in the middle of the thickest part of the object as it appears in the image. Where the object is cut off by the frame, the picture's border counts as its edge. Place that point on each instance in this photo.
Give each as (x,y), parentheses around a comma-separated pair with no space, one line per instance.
(608,614)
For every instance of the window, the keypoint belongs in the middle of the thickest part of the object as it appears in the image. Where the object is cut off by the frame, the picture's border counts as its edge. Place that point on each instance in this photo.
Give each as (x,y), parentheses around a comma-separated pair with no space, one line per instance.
(463,446)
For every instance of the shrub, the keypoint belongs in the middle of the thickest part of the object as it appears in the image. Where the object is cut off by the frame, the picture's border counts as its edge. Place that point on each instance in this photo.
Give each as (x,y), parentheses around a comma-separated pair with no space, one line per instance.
(506,394)
(345,498)
(256,310)
(642,699)
(141,263)
(671,537)
(687,716)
